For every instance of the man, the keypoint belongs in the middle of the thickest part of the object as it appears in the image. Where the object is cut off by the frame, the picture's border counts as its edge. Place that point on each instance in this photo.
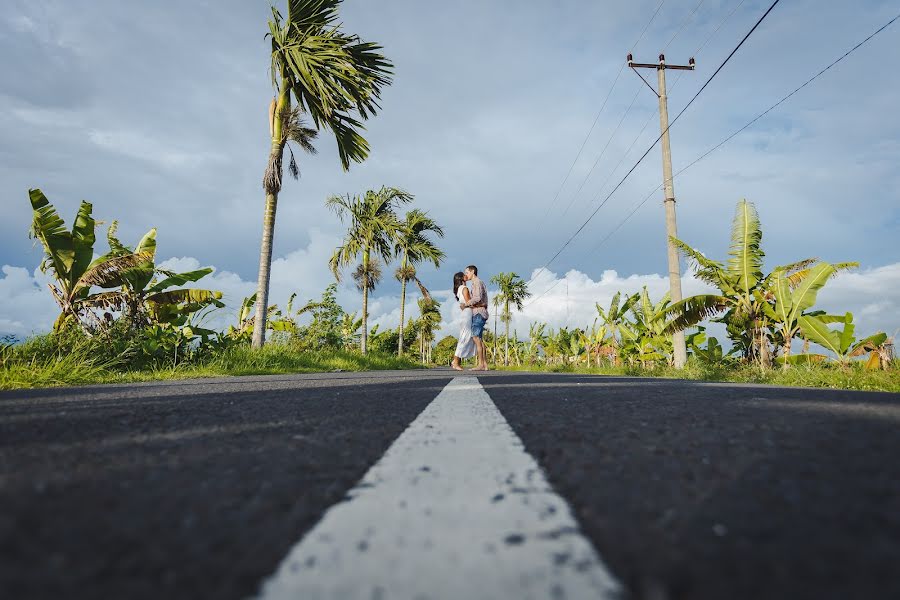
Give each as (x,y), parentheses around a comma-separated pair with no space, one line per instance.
(478,303)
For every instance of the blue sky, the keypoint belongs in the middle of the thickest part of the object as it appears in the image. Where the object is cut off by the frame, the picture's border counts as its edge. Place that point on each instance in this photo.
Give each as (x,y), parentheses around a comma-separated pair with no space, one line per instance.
(158,115)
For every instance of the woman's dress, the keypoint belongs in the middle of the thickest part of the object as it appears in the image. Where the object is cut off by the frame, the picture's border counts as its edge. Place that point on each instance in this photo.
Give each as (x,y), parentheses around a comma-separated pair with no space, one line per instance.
(466,346)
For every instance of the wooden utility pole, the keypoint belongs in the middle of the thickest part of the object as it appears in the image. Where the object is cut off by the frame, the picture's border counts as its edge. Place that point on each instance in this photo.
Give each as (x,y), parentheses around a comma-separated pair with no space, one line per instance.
(680,348)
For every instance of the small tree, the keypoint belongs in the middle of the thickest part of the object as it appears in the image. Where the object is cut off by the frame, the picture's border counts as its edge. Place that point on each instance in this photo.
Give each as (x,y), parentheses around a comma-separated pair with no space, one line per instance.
(513,291)
(414,246)
(373,227)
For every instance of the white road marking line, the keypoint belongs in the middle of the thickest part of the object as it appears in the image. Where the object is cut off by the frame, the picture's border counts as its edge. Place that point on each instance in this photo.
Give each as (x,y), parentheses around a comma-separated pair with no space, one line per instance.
(454,509)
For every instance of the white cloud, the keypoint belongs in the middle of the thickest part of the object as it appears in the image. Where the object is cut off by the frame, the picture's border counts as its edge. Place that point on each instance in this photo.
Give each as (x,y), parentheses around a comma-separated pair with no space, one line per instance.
(26,306)
(145,147)
(568,300)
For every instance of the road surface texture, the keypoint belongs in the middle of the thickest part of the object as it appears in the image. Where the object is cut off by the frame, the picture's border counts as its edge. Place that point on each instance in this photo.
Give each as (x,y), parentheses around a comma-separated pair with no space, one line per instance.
(426,484)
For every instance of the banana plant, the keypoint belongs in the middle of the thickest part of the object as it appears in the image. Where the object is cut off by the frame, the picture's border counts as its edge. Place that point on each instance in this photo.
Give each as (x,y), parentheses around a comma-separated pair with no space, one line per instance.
(842,342)
(792,301)
(537,339)
(350,330)
(614,319)
(743,288)
(145,290)
(645,337)
(69,258)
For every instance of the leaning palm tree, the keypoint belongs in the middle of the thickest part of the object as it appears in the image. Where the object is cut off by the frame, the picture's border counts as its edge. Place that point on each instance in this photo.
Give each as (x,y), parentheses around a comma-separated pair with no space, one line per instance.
(332,75)
(513,290)
(373,229)
(413,246)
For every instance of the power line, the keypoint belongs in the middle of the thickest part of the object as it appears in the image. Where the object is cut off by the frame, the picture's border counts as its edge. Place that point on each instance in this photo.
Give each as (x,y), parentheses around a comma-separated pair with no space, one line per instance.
(587,176)
(628,151)
(716,30)
(644,155)
(599,112)
(683,25)
(602,152)
(748,124)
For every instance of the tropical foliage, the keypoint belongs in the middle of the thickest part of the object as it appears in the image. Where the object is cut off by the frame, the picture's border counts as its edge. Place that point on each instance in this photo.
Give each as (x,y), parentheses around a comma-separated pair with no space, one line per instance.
(513,292)
(372,229)
(413,246)
(336,79)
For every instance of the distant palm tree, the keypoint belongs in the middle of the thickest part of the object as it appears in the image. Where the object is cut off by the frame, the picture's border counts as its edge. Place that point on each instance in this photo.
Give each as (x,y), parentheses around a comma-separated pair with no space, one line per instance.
(332,75)
(413,246)
(513,290)
(373,229)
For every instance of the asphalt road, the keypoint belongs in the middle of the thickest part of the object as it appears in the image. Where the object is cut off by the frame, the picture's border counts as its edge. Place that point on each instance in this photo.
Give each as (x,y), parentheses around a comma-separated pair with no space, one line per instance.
(686,490)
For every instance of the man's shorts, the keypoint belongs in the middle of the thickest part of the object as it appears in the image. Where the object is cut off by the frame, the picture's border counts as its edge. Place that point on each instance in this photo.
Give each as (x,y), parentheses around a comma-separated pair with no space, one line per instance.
(478,323)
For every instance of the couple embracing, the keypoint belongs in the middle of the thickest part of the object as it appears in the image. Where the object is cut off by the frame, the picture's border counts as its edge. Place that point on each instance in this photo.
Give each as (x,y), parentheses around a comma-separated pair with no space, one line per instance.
(473,304)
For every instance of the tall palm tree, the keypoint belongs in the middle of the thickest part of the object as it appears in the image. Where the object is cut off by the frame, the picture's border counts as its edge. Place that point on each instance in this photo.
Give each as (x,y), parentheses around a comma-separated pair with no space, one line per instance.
(514,291)
(373,229)
(413,246)
(332,76)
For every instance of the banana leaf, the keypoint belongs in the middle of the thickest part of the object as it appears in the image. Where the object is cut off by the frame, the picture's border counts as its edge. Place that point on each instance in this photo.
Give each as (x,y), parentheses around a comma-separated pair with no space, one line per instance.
(179,279)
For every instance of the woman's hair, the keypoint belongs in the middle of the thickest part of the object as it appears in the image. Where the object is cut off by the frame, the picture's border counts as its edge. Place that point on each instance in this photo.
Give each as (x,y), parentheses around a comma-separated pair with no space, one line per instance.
(458,280)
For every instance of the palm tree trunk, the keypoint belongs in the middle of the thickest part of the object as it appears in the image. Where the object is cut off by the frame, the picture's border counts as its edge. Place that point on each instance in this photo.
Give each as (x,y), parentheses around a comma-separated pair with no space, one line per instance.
(786,353)
(494,357)
(365,305)
(265,269)
(402,303)
(272,185)
(506,336)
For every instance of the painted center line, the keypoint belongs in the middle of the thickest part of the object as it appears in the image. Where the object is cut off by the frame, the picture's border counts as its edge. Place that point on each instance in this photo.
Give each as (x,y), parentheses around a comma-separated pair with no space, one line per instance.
(454,509)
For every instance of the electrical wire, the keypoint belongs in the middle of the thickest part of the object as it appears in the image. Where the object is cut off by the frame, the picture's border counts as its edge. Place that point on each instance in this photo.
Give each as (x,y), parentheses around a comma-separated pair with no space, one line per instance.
(644,155)
(628,151)
(743,128)
(599,112)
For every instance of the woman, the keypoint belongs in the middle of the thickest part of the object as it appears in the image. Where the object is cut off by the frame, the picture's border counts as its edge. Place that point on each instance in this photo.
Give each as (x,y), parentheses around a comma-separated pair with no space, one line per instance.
(466,346)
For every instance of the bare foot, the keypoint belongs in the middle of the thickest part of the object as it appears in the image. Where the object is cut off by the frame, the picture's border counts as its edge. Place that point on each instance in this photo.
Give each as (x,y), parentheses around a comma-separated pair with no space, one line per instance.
(457,368)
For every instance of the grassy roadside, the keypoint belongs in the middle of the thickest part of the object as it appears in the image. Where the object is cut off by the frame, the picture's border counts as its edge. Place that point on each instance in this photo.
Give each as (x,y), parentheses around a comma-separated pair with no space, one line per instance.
(72,369)
(814,376)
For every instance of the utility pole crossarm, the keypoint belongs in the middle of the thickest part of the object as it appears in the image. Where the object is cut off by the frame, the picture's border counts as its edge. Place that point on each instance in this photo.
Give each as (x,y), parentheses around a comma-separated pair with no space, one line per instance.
(678,342)
(661,64)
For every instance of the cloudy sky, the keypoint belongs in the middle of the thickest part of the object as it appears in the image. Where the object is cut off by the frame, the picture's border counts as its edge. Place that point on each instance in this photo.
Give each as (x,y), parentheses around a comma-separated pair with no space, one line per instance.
(157,113)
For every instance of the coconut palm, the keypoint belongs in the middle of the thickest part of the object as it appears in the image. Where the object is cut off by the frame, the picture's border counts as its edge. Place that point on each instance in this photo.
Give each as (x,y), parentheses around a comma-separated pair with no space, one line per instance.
(414,246)
(513,291)
(334,77)
(373,230)
(69,258)
(497,300)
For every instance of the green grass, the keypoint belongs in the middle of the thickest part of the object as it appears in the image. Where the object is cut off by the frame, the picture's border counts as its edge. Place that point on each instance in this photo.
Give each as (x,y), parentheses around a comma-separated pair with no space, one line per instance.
(76,369)
(815,376)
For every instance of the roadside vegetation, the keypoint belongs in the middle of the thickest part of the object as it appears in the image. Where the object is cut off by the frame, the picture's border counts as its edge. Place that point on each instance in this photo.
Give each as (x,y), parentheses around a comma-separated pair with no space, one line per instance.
(124,318)
(764,315)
